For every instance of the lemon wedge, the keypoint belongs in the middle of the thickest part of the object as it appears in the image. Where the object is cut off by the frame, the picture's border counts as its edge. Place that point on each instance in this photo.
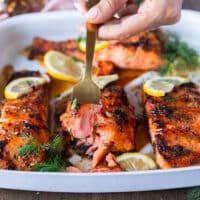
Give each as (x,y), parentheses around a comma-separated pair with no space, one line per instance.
(135,162)
(102,81)
(62,67)
(98,46)
(21,86)
(158,87)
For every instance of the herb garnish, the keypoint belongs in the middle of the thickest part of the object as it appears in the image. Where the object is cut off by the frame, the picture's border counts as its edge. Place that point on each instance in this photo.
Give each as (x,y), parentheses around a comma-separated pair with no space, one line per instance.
(52,165)
(29,148)
(74,104)
(193,194)
(178,54)
(55,146)
(55,157)
(80,39)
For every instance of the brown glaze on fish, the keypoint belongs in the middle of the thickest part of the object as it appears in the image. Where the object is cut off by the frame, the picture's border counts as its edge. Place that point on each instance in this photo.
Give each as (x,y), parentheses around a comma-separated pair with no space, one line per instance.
(22,121)
(104,128)
(140,52)
(174,126)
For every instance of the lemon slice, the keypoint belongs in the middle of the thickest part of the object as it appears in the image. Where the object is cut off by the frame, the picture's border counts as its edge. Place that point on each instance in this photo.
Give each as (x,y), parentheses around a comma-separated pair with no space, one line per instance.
(136,162)
(21,86)
(62,67)
(158,87)
(98,46)
(102,81)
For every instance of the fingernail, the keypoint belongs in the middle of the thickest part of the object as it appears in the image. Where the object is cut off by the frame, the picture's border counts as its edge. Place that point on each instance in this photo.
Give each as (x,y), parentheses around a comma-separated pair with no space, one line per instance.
(101,33)
(92,13)
(77,6)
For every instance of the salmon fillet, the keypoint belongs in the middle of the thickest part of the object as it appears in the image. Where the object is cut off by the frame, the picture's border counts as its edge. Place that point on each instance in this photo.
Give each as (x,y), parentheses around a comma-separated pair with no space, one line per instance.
(174,126)
(16,7)
(104,128)
(21,121)
(140,52)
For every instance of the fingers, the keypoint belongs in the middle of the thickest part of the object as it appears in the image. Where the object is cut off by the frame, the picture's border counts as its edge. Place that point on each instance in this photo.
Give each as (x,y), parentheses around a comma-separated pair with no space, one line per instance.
(124,28)
(57,5)
(104,10)
(3,16)
(81,5)
(173,15)
(128,10)
(132,19)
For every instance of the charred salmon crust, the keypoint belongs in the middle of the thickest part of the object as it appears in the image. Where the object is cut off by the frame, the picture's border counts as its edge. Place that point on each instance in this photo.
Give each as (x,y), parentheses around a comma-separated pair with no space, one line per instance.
(104,128)
(24,121)
(140,52)
(174,126)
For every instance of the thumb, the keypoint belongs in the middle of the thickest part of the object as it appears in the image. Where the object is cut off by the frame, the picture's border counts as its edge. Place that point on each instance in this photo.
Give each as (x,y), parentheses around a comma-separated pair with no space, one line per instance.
(104,10)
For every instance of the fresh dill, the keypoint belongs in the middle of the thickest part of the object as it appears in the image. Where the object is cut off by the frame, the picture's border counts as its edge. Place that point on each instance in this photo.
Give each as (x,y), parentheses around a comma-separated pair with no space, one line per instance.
(54,164)
(28,149)
(179,55)
(193,194)
(55,146)
(74,104)
(80,39)
(55,157)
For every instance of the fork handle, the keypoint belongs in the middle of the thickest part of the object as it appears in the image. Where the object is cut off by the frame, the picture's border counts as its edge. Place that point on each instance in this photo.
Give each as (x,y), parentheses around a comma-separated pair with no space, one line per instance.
(90,42)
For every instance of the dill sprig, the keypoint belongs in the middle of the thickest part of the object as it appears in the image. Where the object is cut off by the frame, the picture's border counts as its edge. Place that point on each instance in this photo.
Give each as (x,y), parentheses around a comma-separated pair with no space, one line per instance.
(54,164)
(193,194)
(55,146)
(80,39)
(178,54)
(55,157)
(29,148)
(74,104)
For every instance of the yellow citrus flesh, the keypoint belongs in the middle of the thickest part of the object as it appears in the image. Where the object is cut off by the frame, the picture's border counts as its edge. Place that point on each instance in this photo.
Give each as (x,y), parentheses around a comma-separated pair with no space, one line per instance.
(62,67)
(102,81)
(21,86)
(135,162)
(98,46)
(158,87)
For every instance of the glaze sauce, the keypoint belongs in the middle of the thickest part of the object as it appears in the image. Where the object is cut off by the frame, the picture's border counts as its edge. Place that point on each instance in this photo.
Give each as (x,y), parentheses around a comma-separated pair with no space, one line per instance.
(58,86)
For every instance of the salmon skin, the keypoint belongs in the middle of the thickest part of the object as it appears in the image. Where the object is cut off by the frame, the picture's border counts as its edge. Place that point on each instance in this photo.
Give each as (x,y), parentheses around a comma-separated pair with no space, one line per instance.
(174,126)
(104,128)
(140,52)
(23,121)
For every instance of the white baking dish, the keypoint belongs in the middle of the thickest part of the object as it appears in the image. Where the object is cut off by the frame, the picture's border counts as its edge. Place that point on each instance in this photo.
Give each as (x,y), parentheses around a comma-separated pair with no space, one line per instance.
(17,33)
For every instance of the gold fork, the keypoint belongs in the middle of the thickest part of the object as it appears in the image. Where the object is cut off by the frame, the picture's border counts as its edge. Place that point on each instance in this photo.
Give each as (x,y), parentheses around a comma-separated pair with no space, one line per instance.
(86,91)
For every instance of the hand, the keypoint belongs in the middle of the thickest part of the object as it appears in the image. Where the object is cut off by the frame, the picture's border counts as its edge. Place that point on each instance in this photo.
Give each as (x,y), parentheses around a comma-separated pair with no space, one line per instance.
(52,5)
(131,18)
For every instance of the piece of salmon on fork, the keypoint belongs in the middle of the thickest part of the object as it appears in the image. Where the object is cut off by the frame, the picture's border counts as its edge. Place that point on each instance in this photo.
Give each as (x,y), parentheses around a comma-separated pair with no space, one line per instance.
(104,128)
(174,126)
(24,129)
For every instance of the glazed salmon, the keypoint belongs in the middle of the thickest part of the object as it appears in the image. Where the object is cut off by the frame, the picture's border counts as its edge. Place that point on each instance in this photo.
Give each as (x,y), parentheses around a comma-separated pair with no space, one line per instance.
(23,121)
(104,128)
(70,48)
(41,46)
(140,52)
(174,126)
